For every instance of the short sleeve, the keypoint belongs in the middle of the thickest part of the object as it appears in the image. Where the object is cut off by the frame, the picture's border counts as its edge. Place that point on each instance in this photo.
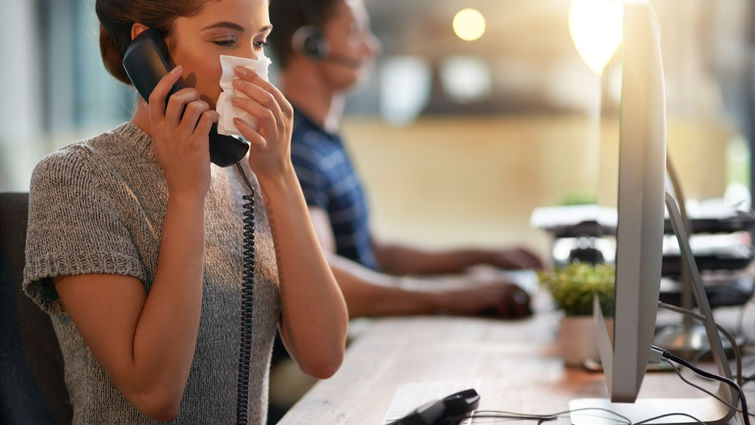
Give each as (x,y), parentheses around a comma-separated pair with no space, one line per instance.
(73,228)
(311,178)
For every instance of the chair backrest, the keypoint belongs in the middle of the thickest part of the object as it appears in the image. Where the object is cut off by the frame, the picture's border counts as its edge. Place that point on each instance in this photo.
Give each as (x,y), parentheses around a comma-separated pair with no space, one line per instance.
(32,389)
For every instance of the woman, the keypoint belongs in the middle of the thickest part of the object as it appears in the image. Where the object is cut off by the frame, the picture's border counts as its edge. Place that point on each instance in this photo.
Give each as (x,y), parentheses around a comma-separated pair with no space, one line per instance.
(135,241)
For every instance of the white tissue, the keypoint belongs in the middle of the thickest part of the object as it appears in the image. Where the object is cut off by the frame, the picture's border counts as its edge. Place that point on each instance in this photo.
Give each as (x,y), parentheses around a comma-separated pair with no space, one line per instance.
(226,111)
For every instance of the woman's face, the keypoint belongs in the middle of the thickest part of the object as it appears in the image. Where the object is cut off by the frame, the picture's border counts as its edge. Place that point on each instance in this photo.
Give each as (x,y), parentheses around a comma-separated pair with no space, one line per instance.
(349,35)
(223,27)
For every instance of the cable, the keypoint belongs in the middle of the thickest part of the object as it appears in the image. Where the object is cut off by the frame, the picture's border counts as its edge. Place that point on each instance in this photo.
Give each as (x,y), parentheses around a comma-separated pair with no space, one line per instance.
(727,334)
(495,416)
(549,417)
(247,303)
(502,414)
(686,415)
(665,354)
(243,176)
(706,391)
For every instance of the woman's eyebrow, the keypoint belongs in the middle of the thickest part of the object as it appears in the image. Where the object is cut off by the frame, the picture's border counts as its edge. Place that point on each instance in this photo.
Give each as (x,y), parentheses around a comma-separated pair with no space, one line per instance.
(225,24)
(266,28)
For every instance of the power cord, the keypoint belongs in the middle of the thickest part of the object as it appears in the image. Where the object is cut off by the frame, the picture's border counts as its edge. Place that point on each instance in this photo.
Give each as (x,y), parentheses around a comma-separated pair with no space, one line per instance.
(743,400)
(686,415)
(710,393)
(723,330)
(502,414)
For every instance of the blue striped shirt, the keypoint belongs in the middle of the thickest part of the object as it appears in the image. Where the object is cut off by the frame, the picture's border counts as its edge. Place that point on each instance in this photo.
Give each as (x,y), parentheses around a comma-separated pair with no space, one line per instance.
(329,181)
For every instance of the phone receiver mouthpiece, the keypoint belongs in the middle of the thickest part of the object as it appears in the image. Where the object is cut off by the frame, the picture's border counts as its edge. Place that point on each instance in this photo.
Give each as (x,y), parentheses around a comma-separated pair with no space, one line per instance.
(226,150)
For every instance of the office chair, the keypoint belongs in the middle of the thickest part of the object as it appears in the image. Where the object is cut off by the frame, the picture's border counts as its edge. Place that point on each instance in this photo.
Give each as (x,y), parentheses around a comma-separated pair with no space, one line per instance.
(32,389)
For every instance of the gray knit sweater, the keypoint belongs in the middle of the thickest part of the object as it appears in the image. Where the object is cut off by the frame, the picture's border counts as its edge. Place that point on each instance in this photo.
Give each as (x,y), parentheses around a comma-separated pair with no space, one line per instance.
(97,206)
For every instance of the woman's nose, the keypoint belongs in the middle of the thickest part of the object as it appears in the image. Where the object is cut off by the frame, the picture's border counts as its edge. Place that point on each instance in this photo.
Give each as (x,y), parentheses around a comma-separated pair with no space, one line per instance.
(249,53)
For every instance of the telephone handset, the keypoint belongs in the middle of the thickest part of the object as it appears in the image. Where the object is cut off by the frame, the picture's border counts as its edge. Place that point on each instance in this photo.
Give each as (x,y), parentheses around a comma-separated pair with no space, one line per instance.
(146,61)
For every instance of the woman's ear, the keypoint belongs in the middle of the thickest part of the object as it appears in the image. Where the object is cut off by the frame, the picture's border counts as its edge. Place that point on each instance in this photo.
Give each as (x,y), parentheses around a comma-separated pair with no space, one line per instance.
(137,29)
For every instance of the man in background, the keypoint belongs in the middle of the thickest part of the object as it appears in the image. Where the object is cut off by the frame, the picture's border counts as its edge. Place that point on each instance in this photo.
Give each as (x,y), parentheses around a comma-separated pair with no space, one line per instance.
(324,48)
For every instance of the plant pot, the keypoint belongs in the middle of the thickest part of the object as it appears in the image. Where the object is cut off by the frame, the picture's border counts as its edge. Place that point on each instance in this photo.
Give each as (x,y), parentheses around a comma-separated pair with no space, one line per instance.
(577,339)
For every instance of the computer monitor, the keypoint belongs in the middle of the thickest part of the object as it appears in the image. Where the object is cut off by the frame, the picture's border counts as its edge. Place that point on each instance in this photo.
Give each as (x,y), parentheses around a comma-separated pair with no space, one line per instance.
(642,178)
(639,239)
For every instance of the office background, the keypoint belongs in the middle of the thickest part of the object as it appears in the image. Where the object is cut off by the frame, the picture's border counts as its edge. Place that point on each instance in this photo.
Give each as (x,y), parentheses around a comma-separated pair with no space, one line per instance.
(456,141)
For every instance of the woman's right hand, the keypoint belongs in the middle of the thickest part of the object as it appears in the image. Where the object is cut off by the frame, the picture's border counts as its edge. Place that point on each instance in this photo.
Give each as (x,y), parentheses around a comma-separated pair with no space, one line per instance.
(180,136)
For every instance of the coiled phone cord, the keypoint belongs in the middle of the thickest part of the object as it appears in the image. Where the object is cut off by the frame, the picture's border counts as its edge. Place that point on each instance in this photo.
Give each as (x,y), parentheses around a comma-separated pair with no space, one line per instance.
(247,302)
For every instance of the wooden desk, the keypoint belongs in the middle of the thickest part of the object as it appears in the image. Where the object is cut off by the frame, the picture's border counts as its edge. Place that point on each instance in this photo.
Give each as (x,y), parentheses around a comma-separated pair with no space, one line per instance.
(517,364)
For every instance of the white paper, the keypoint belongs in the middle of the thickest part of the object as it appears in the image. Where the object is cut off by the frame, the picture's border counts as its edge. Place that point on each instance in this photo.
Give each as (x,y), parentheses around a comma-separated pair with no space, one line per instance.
(226,111)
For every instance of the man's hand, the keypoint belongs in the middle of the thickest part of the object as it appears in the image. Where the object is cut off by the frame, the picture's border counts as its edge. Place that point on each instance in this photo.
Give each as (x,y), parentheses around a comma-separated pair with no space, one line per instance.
(500,298)
(516,258)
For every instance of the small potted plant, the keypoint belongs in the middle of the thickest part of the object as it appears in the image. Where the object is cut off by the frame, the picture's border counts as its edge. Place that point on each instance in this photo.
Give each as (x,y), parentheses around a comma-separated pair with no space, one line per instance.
(572,288)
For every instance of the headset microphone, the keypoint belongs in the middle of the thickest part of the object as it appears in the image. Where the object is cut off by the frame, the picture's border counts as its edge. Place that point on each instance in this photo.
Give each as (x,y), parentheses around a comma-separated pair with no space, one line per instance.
(343,61)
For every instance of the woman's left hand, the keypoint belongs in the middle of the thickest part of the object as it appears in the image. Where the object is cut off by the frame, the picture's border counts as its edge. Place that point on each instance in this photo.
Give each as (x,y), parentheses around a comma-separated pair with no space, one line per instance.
(270,136)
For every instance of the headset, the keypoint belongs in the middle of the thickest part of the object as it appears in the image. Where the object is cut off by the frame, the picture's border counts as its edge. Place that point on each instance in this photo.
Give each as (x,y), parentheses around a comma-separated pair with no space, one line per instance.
(309,40)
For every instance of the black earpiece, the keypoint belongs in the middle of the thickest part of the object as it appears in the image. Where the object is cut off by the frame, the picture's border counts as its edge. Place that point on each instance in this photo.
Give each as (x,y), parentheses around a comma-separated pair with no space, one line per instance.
(309,41)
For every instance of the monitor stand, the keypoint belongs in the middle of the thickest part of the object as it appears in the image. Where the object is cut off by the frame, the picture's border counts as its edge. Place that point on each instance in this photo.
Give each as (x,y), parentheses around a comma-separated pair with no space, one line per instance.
(707,409)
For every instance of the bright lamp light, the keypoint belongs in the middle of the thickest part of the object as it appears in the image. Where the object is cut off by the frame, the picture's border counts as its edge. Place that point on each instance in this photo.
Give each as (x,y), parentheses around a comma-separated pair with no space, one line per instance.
(596,30)
(469,24)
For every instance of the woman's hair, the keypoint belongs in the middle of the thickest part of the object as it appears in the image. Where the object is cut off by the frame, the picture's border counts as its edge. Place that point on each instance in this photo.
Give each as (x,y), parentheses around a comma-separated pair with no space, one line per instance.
(287,16)
(118,16)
